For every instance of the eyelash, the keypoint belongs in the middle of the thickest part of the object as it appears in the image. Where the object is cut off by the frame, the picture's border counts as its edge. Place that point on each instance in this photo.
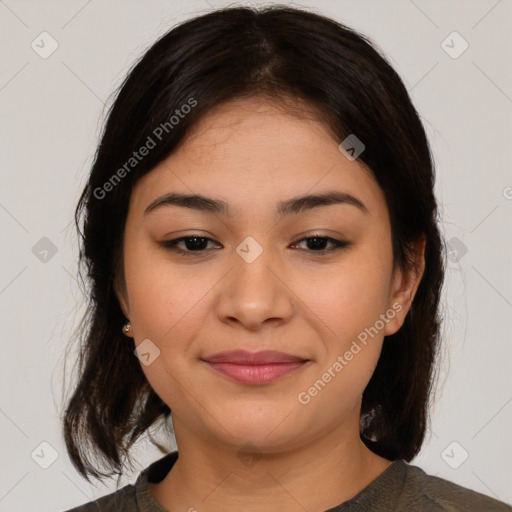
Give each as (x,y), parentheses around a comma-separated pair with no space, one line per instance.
(172,245)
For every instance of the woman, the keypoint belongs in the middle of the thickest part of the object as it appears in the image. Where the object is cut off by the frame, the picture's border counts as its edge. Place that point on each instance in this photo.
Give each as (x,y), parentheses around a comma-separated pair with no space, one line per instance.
(259,230)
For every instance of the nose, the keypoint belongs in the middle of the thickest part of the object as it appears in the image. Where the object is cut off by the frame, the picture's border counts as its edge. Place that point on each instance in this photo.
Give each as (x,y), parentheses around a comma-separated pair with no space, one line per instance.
(255,293)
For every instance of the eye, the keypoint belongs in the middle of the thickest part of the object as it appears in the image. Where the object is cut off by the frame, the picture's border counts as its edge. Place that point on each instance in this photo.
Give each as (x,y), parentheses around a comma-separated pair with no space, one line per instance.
(192,244)
(198,244)
(317,244)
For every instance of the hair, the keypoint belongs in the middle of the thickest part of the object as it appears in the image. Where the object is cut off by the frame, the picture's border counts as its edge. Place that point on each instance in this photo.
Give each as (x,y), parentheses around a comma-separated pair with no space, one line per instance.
(279,53)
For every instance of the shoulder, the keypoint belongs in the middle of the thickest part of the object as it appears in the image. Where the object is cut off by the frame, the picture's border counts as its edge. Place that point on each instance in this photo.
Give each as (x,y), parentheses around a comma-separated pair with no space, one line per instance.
(123,499)
(134,497)
(422,491)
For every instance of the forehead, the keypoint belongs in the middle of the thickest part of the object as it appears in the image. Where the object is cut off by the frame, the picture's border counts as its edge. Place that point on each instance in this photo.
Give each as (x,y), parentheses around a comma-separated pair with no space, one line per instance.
(254,152)
(243,128)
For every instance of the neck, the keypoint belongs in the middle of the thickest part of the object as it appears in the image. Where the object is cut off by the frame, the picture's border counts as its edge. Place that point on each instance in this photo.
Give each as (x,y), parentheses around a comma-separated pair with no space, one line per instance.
(209,477)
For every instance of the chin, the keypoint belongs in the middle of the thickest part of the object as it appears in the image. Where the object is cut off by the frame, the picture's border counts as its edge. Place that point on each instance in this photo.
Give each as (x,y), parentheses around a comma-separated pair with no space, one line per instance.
(270,429)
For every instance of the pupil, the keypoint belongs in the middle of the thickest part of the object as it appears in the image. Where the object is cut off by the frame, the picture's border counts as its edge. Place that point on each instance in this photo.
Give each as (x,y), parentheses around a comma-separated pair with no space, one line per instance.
(192,243)
(317,243)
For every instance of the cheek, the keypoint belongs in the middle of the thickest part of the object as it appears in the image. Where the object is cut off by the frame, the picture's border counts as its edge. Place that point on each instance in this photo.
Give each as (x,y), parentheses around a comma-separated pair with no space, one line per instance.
(164,297)
(350,301)
(336,392)
(350,304)
(350,296)
(167,305)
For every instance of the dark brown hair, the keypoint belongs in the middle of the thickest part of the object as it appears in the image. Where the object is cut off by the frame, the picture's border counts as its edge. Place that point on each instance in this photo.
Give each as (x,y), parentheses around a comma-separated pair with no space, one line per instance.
(277,52)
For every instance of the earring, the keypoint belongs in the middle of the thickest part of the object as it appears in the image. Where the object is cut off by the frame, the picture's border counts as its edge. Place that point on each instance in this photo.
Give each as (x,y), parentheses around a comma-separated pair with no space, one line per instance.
(127,329)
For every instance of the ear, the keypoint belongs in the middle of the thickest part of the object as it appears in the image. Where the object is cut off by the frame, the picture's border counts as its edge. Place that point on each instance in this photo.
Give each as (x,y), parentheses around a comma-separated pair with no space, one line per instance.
(404,284)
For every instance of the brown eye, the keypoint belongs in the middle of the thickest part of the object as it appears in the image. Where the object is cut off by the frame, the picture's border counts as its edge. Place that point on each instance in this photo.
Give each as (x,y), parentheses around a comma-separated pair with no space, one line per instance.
(318,244)
(199,244)
(190,244)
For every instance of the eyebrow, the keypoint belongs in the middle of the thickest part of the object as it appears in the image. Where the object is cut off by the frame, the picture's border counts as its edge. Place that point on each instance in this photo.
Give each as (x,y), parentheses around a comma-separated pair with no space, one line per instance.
(290,206)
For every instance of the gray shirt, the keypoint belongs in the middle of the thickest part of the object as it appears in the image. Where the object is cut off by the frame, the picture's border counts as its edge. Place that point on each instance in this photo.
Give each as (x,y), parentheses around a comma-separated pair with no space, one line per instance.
(401,487)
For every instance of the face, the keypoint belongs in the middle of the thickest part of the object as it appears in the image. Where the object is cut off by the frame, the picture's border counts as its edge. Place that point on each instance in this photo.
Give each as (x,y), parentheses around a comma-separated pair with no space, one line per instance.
(312,280)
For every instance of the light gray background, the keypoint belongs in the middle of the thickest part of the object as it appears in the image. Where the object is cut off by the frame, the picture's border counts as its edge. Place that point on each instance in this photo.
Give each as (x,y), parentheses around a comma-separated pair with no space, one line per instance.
(51,112)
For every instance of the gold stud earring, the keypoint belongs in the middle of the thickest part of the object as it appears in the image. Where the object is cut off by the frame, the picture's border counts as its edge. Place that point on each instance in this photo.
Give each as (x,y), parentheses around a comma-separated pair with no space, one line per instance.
(127,329)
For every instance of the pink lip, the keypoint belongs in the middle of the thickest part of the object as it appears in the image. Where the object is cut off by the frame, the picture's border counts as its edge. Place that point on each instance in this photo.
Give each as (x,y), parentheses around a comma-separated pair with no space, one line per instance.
(255,367)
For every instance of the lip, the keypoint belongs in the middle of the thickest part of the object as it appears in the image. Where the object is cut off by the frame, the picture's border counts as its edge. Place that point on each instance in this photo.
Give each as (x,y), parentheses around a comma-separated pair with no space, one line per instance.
(253,358)
(255,368)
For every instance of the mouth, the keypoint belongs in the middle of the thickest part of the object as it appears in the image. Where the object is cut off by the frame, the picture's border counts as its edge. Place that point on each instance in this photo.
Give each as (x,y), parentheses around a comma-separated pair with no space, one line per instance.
(255,368)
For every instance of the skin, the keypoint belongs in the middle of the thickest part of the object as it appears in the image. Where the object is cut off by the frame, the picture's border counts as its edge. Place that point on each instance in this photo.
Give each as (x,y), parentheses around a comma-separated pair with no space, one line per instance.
(247,447)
